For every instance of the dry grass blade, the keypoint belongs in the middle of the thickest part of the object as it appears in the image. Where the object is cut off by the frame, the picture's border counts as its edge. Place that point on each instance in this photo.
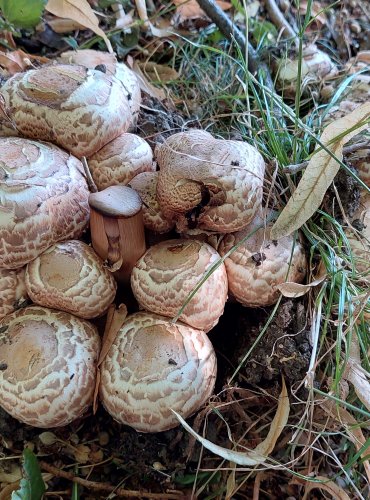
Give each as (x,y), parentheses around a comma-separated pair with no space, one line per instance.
(79,11)
(260,453)
(320,172)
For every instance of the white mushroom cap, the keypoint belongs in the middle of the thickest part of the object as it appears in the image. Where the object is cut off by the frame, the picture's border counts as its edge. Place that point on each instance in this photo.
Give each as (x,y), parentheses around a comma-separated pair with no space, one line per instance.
(47,366)
(12,290)
(146,185)
(71,277)
(92,58)
(120,160)
(168,272)
(256,267)
(208,183)
(77,108)
(44,199)
(154,366)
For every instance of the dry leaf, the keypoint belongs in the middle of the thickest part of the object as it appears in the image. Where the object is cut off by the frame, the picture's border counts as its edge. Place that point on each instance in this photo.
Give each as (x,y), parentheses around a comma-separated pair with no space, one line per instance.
(357,375)
(143,14)
(159,72)
(319,173)
(79,11)
(293,290)
(352,428)
(114,323)
(17,61)
(59,25)
(188,10)
(144,83)
(326,484)
(260,453)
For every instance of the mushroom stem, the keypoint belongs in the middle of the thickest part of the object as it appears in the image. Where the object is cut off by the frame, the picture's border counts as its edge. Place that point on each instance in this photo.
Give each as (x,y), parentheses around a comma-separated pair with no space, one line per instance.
(117,229)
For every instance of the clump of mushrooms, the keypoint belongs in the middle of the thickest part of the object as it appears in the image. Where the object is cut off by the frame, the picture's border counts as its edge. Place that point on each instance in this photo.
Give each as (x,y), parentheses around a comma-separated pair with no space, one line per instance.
(154,366)
(259,265)
(166,274)
(74,107)
(44,199)
(47,366)
(208,183)
(70,276)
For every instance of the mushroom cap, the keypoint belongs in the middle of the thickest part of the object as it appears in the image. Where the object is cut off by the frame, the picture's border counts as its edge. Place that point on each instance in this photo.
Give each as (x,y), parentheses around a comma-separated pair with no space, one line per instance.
(315,66)
(48,366)
(120,160)
(208,183)
(44,199)
(12,290)
(77,108)
(259,264)
(154,366)
(168,272)
(116,201)
(91,58)
(146,185)
(71,277)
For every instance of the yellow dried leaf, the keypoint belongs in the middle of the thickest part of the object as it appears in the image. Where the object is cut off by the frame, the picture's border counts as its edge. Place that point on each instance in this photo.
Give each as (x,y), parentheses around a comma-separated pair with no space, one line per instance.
(320,172)
(159,72)
(190,9)
(260,453)
(79,11)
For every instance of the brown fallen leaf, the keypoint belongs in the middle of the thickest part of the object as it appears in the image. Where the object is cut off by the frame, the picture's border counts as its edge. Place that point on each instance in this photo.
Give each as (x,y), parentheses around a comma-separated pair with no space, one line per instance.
(321,483)
(189,10)
(293,290)
(260,453)
(18,61)
(79,11)
(59,25)
(144,83)
(320,172)
(159,72)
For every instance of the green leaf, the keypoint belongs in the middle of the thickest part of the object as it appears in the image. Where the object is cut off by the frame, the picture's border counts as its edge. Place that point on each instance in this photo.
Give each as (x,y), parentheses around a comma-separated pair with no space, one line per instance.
(32,485)
(22,13)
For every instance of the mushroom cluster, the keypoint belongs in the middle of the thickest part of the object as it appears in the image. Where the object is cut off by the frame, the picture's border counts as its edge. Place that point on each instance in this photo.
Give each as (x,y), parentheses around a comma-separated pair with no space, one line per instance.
(71,167)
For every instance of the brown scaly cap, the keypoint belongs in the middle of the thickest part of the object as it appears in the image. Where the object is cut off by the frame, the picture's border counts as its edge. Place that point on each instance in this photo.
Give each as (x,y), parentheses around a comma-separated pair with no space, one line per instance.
(259,264)
(169,271)
(154,366)
(120,160)
(44,199)
(207,183)
(12,290)
(77,108)
(146,185)
(60,277)
(48,366)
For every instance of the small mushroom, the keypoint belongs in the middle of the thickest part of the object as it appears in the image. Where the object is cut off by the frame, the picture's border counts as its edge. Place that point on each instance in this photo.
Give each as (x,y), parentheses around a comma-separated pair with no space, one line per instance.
(169,271)
(208,183)
(117,228)
(258,265)
(71,277)
(44,199)
(154,366)
(77,108)
(120,160)
(95,59)
(47,366)
(146,185)
(13,291)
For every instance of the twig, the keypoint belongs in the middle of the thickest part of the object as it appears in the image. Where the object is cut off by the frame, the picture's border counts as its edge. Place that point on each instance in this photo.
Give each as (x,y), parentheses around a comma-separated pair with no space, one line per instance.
(293,169)
(93,485)
(90,181)
(278,19)
(228,29)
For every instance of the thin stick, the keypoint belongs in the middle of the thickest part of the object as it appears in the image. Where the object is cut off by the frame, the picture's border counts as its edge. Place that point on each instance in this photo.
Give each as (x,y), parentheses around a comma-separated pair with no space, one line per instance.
(231,32)
(121,492)
(293,169)
(278,19)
